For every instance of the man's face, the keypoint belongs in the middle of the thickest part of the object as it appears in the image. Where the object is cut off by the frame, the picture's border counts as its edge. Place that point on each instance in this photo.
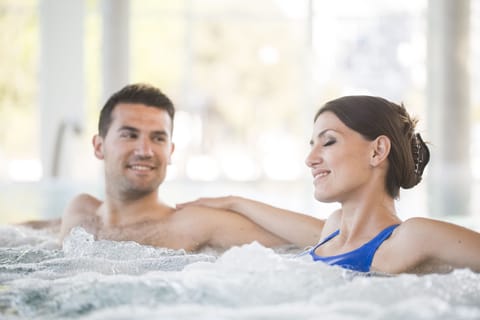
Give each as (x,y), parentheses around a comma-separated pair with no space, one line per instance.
(136,150)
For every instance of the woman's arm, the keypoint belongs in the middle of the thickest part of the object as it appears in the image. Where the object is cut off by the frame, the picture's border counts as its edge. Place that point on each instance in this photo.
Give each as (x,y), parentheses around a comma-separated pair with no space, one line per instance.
(299,229)
(446,243)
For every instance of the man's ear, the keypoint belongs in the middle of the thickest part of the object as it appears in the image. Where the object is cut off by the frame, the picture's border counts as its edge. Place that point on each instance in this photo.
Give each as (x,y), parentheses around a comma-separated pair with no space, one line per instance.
(97,142)
(380,150)
(172,148)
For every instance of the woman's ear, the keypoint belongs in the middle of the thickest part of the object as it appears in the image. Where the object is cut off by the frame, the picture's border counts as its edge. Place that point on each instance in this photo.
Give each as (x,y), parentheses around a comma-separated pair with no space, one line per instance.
(97,142)
(380,150)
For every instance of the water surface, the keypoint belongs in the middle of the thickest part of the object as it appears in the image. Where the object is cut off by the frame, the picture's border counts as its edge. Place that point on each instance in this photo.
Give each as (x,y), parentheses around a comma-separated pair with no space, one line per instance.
(87,279)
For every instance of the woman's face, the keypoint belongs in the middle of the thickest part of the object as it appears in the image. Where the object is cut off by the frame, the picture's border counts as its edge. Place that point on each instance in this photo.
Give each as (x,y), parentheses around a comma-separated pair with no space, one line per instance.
(339,160)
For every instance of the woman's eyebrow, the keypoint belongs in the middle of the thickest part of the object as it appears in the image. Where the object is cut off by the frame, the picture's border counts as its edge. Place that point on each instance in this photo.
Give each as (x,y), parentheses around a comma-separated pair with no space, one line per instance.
(321,134)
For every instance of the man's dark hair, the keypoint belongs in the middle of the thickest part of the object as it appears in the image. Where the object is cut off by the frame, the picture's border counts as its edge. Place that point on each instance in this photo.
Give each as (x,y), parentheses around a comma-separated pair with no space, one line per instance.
(134,93)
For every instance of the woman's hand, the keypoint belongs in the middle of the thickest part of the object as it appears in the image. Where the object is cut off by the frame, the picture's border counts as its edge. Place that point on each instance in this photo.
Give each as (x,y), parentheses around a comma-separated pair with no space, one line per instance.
(217,202)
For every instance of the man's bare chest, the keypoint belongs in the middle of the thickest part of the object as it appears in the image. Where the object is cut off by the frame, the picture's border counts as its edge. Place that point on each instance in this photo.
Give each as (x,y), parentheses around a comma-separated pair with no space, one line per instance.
(155,234)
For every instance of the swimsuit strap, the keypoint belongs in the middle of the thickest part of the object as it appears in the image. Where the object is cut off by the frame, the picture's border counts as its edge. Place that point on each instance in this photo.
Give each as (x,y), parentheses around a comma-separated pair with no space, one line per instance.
(311,249)
(382,236)
(359,259)
(326,239)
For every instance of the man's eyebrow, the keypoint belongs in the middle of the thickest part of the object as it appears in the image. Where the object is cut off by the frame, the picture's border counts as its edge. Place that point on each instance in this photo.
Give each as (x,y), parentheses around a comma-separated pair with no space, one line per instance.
(161,133)
(136,130)
(128,128)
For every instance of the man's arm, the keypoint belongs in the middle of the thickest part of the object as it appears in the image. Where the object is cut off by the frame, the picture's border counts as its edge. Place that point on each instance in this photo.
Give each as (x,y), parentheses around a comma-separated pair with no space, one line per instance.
(50,225)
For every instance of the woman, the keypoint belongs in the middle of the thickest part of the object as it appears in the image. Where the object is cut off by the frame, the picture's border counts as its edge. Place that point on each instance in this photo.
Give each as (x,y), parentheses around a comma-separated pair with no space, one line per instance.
(363,149)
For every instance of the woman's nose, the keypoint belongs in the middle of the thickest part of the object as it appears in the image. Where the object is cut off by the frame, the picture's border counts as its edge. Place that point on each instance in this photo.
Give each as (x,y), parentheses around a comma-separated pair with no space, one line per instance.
(312,158)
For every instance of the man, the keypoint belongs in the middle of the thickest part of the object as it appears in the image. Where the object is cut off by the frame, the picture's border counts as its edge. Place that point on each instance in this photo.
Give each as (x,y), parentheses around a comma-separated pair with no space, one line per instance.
(134,141)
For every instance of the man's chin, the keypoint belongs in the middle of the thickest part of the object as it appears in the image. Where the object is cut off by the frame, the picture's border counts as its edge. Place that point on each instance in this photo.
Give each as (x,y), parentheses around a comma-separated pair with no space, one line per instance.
(140,190)
(137,193)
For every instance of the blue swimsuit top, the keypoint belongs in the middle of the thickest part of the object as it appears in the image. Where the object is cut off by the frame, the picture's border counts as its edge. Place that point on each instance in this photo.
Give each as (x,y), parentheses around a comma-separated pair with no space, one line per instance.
(359,259)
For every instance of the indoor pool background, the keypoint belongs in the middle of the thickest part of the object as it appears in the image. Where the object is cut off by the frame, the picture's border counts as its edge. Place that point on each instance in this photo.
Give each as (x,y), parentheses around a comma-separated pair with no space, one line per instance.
(87,279)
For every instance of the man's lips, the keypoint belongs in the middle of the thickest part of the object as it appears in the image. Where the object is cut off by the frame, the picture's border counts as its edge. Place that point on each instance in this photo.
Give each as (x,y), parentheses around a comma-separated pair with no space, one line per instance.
(141,167)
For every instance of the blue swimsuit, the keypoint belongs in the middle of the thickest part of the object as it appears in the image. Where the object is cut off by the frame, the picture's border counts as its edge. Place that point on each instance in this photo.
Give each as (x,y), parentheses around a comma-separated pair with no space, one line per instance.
(359,259)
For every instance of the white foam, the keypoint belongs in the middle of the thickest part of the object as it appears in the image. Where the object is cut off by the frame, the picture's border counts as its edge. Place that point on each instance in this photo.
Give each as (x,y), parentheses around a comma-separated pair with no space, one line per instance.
(92,280)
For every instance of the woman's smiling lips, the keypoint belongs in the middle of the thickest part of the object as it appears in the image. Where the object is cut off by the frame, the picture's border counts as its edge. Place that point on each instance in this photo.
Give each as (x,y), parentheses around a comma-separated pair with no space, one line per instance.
(319,174)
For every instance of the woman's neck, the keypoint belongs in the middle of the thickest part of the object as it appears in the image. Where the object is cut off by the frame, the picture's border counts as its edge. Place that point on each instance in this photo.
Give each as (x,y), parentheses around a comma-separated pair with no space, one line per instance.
(367,217)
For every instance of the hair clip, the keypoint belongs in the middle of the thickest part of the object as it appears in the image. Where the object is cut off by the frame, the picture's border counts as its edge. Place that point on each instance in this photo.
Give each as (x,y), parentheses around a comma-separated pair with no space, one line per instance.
(421,155)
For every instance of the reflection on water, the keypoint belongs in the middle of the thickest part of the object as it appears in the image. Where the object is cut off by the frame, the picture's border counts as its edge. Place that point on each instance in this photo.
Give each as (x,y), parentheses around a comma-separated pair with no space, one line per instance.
(89,279)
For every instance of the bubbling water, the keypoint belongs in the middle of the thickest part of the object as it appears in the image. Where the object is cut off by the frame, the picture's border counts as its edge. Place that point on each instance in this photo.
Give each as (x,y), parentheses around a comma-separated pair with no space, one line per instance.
(88,279)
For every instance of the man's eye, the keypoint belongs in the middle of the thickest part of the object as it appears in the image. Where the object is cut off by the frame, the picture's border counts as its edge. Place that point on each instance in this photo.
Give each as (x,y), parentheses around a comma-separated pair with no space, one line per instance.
(127,134)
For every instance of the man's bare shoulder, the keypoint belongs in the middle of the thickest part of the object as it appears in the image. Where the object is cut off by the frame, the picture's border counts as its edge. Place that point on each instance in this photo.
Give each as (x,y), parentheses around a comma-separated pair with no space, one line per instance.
(83,203)
(207,215)
(205,220)
(194,216)
(188,210)
(81,211)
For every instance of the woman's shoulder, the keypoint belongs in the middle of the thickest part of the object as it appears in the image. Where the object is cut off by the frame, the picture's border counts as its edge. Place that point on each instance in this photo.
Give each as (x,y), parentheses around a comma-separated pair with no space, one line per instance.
(431,242)
(414,228)
(432,229)
(428,232)
(404,249)
(422,225)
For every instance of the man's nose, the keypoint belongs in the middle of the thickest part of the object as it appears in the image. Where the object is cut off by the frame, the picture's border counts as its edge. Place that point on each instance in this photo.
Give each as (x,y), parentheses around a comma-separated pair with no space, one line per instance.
(144,148)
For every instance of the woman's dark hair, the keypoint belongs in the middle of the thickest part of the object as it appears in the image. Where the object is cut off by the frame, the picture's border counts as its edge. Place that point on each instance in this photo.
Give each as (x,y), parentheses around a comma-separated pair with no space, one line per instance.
(134,93)
(374,116)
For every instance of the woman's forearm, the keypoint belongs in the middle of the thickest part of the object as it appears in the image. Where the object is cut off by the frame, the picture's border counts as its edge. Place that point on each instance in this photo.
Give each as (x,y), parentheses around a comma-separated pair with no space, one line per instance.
(297,228)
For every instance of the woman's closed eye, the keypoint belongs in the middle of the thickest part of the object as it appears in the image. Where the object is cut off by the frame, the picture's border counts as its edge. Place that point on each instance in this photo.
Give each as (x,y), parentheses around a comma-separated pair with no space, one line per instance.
(329,142)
